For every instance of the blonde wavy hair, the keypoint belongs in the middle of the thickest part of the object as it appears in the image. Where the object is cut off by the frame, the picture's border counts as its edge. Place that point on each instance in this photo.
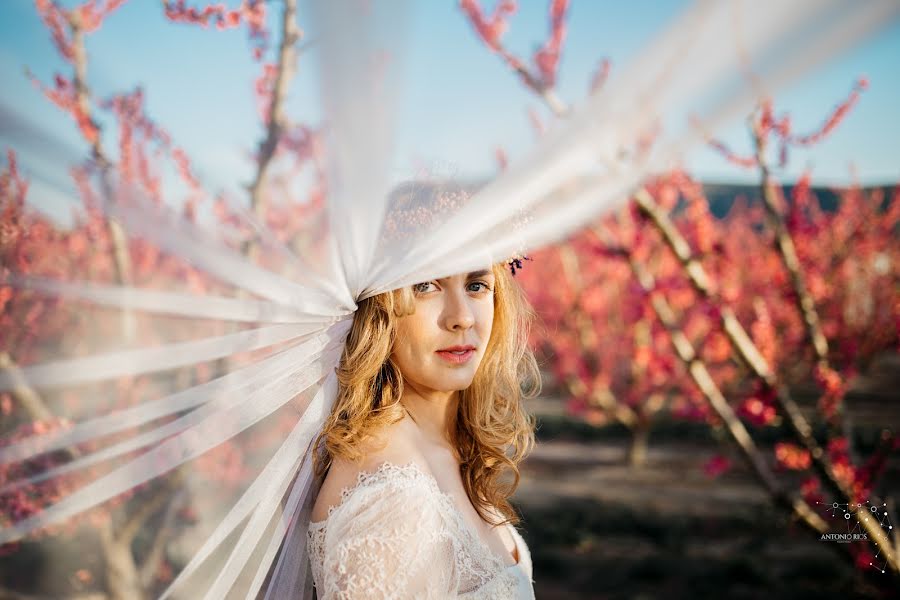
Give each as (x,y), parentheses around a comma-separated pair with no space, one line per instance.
(493,433)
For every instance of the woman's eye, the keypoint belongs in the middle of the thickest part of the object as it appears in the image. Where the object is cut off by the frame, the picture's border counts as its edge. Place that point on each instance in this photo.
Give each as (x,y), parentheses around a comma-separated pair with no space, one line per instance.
(421,288)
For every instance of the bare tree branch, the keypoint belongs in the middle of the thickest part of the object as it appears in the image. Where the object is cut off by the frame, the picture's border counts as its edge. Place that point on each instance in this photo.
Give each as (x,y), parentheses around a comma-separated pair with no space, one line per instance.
(701,376)
(748,352)
(27,397)
(162,535)
(121,255)
(286,68)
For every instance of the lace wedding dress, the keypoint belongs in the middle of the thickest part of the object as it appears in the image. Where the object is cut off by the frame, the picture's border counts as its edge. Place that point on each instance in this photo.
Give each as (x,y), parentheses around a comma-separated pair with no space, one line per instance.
(395,534)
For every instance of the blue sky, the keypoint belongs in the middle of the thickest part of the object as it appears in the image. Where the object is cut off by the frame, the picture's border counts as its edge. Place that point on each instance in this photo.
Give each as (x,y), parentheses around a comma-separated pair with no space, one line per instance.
(467,103)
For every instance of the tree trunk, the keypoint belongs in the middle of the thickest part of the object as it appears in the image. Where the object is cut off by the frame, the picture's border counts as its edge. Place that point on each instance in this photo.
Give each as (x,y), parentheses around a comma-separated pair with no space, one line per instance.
(637,454)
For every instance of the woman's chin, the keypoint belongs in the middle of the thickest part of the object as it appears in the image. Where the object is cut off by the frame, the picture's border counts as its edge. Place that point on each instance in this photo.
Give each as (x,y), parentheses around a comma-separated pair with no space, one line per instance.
(454,381)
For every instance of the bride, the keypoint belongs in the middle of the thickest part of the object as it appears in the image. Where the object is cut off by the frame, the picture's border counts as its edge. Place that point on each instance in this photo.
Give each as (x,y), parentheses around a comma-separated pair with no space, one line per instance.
(427,421)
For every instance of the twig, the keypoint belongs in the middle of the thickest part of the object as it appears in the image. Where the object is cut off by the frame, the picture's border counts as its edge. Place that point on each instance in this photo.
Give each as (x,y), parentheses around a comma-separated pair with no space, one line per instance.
(788,253)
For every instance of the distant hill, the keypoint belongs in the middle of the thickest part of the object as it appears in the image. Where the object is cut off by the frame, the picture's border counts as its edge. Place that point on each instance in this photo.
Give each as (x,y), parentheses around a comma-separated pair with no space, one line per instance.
(721,196)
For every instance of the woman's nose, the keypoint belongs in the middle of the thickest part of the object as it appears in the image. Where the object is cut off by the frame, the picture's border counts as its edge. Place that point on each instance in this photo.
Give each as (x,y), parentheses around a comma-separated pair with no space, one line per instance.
(457,312)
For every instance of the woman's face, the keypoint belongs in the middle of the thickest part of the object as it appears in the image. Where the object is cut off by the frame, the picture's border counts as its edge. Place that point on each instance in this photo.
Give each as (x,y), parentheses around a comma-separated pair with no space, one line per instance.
(439,347)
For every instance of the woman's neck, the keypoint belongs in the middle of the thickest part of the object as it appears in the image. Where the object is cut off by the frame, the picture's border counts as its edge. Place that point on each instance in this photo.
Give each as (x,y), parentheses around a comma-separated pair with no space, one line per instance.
(433,412)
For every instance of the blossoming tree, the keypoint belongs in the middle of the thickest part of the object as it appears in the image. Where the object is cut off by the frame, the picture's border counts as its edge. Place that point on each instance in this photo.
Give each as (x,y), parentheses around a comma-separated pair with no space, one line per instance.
(647,307)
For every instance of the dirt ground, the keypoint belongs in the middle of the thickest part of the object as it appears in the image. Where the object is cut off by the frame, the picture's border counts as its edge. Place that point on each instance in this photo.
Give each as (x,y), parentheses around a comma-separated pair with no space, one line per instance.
(598,528)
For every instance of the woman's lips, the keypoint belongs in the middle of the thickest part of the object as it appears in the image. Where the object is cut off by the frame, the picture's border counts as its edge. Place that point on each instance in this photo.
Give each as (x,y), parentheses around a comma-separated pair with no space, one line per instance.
(456,357)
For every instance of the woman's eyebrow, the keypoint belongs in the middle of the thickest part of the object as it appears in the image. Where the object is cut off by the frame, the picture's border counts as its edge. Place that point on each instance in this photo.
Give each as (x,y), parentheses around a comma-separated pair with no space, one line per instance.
(481,273)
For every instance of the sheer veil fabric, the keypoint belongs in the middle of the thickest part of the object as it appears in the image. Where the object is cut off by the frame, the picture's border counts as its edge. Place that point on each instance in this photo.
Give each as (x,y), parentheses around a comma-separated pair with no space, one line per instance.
(294,309)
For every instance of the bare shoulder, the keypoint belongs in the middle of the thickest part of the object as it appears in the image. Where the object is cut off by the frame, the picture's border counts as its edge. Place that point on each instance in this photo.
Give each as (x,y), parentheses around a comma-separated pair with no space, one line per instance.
(396,443)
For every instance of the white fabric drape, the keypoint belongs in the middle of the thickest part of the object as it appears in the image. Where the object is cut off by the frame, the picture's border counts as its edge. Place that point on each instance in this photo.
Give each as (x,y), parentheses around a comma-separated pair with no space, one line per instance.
(379,236)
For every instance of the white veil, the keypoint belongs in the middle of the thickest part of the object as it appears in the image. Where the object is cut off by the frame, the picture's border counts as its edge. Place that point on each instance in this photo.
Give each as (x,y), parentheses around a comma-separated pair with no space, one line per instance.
(289,311)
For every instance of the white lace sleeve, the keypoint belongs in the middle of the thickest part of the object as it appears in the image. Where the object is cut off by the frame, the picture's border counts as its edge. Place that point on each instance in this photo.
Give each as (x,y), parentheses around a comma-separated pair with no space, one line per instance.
(386,539)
